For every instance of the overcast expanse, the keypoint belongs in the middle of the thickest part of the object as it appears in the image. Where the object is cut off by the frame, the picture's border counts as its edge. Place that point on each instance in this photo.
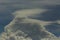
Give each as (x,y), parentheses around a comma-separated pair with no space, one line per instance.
(44,12)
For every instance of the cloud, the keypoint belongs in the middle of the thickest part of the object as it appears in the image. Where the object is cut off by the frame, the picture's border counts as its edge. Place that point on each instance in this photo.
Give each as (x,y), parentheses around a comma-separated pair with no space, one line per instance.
(26,28)
(13,5)
(28,12)
(34,1)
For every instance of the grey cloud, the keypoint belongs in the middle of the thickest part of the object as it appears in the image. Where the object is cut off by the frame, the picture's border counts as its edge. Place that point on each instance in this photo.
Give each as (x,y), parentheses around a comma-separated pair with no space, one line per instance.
(26,28)
(34,1)
(14,5)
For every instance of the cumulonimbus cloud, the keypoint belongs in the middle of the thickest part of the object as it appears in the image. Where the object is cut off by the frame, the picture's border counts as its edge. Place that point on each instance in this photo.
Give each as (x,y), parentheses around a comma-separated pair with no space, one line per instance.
(24,28)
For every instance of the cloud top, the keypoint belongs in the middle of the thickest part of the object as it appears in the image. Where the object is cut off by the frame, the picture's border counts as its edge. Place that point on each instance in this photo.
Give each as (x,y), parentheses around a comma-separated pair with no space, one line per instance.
(28,12)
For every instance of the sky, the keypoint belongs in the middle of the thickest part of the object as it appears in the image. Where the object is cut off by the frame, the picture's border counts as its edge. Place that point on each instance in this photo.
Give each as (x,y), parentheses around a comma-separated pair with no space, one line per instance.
(7,7)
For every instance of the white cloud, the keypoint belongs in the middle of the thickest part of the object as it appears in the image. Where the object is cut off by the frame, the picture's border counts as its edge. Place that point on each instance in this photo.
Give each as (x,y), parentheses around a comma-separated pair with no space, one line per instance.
(28,12)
